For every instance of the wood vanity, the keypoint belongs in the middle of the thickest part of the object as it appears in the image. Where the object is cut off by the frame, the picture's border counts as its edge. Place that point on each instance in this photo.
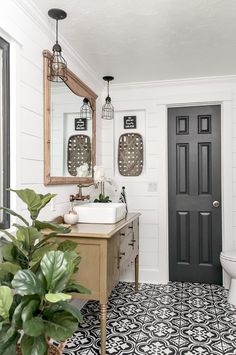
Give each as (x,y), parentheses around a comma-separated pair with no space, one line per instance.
(106,251)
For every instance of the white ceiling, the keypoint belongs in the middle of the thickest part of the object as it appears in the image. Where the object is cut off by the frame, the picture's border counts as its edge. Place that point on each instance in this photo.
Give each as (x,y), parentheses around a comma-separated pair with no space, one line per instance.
(148,40)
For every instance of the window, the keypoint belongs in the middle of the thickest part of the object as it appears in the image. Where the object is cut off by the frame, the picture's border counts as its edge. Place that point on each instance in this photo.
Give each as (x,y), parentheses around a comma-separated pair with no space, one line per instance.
(4,131)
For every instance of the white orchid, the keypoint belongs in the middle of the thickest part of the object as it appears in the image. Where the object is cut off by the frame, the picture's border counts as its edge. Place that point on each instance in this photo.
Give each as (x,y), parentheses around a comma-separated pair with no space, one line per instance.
(99,174)
(100,179)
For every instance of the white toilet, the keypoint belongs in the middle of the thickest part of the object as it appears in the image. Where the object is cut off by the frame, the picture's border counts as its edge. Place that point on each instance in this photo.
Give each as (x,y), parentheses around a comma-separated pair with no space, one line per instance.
(228,262)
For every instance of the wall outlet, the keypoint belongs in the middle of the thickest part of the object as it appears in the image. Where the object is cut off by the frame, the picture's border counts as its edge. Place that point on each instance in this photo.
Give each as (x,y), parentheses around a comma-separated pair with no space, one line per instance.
(152,186)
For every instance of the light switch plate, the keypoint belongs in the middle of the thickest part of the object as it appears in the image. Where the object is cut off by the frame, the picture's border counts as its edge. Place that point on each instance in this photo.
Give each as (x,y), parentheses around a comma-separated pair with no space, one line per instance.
(152,186)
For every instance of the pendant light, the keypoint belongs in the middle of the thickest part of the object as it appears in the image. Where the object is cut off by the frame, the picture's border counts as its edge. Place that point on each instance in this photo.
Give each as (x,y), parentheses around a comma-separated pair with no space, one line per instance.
(57,65)
(107,108)
(86,110)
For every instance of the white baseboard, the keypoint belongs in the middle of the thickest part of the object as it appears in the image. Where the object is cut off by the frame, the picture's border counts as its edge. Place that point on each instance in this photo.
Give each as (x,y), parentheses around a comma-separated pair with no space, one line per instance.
(152,276)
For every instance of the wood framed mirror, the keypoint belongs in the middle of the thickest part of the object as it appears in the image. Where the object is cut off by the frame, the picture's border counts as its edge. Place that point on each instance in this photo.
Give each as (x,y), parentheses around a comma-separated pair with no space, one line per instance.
(69,140)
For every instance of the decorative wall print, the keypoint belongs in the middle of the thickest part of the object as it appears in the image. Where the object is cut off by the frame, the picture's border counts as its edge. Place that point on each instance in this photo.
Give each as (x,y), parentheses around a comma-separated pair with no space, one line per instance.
(78,152)
(130,154)
(80,124)
(130,122)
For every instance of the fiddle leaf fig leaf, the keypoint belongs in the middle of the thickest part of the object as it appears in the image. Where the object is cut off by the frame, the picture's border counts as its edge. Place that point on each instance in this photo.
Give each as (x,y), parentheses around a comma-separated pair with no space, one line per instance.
(57,297)
(63,306)
(34,327)
(27,234)
(61,326)
(35,202)
(53,266)
(39,253)
(67,245)
(33,345)
(29,309)
(74,287)
(9,235)
(9,267)
(60,286)
(6,299)
(13,213)
(53,226)
(7,252)
(25,282)
(8,341)
(17,315)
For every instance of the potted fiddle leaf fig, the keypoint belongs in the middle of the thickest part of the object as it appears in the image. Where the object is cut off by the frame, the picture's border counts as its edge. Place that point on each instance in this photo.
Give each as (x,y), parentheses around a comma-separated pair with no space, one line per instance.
(26,248)
(36,277)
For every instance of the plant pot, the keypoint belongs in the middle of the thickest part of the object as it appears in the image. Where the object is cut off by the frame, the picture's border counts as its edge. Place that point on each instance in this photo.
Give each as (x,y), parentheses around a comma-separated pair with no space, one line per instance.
(52,350)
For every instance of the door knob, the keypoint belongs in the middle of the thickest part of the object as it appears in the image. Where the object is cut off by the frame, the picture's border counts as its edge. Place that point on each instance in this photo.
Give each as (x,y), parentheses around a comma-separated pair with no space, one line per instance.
(216,204)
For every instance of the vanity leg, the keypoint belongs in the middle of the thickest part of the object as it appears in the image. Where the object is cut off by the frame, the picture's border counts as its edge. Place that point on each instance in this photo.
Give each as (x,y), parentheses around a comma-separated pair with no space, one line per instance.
(136,272)
(103,320)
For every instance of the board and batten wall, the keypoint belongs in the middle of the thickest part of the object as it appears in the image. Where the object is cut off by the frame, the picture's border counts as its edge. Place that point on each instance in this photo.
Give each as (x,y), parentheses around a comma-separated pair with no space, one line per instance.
(29,33)
(148,193)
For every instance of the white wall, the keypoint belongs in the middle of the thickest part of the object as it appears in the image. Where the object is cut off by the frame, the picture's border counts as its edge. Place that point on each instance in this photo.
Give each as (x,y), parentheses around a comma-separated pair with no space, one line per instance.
(29,33)
(148,192)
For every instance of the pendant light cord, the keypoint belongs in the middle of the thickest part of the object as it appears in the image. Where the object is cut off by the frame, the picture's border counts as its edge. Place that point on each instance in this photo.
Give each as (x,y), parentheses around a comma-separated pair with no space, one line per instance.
(56,31)
(108,88)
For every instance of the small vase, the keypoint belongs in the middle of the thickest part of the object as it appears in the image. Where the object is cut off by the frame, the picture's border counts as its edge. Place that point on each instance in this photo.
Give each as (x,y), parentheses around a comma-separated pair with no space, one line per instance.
(71,217)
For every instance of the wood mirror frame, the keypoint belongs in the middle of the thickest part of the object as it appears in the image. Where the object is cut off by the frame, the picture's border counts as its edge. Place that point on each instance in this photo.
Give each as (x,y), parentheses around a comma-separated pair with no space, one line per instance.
(78,88)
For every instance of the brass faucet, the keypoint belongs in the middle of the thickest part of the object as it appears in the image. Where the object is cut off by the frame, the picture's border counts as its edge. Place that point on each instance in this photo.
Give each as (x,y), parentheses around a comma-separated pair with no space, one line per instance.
(79,196)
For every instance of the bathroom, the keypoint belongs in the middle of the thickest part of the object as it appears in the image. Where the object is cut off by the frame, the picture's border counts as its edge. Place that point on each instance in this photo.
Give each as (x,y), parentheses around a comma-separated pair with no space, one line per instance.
(193,46)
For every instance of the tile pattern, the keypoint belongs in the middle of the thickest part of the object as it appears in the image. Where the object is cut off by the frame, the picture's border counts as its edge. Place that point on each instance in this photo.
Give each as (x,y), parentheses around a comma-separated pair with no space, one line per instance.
(177,318)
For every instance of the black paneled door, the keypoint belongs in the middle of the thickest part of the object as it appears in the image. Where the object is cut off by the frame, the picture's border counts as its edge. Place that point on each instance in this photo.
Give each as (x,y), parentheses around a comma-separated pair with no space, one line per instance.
(194,151)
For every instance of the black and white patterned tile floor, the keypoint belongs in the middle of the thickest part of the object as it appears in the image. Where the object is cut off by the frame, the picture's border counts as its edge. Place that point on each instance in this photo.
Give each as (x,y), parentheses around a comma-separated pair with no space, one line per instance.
(177,318)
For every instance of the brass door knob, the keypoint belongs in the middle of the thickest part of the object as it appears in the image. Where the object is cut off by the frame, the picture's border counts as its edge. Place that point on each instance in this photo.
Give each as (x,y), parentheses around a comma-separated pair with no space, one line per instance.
(216,204)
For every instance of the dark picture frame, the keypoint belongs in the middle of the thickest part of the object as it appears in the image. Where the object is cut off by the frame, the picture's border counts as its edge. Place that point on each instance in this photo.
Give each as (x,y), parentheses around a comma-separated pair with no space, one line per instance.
(80,124)
(130,122)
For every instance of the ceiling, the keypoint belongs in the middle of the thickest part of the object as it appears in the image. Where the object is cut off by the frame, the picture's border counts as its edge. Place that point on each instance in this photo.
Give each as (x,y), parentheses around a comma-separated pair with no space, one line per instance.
(149,40)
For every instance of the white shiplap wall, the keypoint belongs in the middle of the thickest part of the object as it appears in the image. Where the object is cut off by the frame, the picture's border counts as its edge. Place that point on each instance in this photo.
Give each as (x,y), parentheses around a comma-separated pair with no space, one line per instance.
(148,192)
(29,33)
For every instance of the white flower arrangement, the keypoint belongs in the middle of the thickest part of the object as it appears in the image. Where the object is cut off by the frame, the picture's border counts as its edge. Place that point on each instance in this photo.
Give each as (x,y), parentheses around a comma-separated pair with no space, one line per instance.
(100,179)
(83,170)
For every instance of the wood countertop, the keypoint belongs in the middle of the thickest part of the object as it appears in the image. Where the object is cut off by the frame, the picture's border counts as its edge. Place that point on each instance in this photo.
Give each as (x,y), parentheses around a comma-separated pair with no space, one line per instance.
(99,230)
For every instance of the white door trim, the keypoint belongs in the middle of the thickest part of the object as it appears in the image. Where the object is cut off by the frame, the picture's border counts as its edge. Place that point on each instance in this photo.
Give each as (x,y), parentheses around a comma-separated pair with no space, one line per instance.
(226,176)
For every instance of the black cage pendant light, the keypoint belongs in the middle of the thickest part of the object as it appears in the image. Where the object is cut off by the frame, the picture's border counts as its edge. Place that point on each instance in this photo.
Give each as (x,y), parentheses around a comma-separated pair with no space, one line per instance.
(107,108)
(57,65)
(86,110)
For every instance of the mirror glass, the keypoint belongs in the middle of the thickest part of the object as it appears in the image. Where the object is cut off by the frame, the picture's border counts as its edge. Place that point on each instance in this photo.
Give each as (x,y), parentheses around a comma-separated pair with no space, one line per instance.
(71,134)
(69,129)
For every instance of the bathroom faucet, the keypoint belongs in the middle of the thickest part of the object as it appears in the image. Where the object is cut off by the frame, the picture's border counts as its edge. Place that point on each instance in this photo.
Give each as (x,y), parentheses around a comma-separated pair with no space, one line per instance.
(79,196)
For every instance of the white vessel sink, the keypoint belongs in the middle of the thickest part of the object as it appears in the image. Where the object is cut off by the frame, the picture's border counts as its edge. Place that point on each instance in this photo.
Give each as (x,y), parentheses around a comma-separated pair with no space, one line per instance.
(100,212)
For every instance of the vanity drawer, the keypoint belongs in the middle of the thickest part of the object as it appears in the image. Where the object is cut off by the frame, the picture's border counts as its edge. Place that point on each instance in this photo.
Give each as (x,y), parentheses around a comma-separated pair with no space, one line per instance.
(125,231)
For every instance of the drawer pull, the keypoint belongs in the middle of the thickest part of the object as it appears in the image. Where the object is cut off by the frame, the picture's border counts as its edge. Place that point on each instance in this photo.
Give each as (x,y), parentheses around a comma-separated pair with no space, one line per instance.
(133,240)
(123,253)
(122,233)
(131,244)
(131,227)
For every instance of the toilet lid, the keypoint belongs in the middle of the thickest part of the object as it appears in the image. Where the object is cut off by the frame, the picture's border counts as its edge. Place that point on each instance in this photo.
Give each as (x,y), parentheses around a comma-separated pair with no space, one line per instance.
(229,255)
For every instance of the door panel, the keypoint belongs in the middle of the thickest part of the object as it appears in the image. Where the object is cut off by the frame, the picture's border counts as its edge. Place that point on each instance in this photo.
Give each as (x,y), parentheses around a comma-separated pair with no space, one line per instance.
(195,238)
